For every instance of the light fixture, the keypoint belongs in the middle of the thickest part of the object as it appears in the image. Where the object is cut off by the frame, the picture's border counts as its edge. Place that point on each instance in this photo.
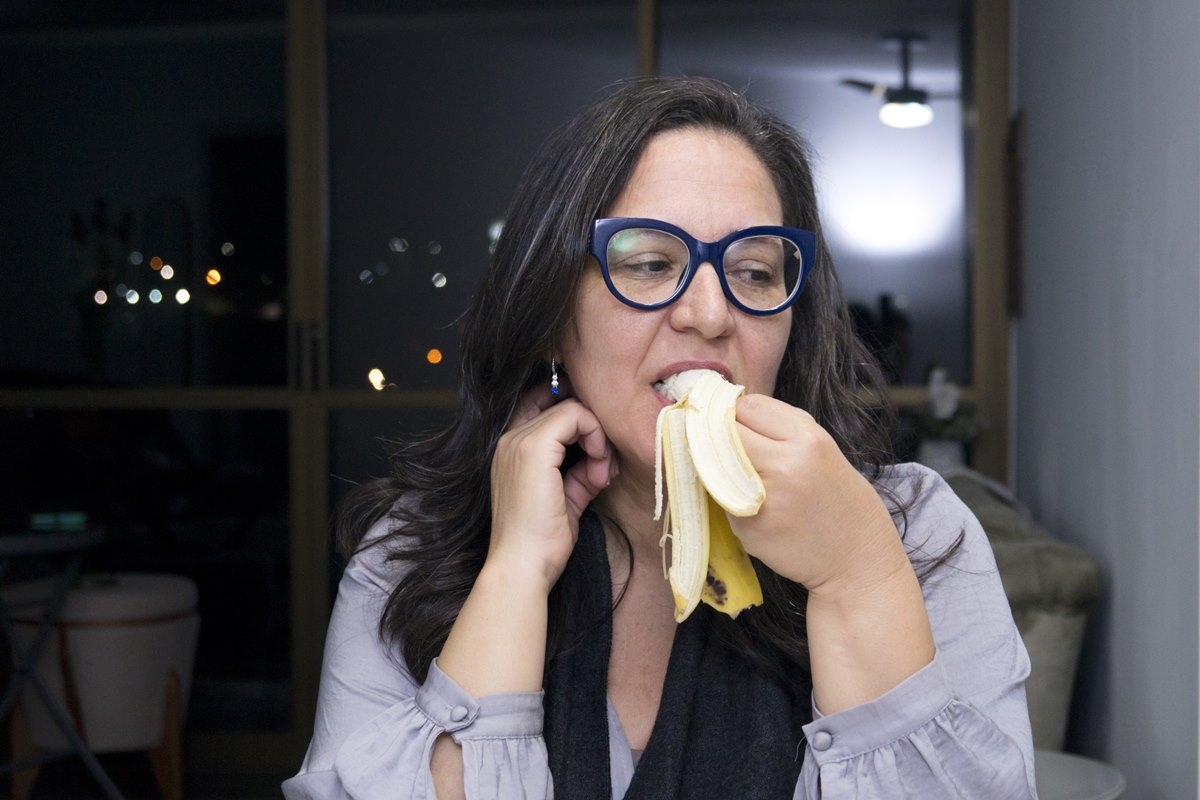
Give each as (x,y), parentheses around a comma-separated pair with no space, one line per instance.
(905,114)
(905,105)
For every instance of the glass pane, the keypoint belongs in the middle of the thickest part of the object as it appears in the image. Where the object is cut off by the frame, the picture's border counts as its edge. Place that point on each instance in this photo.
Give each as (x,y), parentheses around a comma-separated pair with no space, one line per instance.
(893,201)
(202,494)
(146,243)
(433,116)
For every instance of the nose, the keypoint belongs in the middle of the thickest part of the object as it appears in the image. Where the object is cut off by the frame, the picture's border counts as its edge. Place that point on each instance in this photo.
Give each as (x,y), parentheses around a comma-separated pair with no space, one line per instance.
(703,307)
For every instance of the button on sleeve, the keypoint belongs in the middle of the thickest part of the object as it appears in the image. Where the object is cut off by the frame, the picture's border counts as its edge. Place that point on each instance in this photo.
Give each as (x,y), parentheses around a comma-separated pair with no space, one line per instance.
(498,716)
(821,740)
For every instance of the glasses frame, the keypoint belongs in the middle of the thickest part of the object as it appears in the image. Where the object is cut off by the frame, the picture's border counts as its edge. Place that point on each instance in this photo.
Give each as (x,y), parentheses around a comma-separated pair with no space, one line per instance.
(712,253)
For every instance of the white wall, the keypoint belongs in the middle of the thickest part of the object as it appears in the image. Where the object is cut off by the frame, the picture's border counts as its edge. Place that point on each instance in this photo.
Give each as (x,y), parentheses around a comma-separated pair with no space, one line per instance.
(1108,363)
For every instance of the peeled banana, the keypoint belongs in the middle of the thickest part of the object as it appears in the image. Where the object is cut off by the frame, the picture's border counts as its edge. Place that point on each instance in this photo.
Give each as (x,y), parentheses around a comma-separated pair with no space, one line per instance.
(707,473)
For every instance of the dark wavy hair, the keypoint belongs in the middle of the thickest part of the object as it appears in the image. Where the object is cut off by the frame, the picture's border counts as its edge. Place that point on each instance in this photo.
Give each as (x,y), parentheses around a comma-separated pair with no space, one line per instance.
(438,492)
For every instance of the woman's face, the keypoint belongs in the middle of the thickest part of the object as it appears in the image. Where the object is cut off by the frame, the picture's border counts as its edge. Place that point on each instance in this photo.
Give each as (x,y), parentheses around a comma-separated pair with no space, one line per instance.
(710,184)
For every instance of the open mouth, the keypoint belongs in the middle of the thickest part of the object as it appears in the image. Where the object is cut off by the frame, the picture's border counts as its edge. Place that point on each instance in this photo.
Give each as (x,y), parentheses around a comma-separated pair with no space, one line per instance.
(663,393)
(674,387)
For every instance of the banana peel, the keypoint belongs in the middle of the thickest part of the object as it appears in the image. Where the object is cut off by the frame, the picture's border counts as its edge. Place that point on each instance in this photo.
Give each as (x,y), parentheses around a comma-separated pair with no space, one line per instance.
(701,464)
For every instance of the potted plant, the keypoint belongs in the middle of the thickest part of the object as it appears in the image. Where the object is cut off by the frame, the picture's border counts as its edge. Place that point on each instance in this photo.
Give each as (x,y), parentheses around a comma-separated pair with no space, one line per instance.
(944,426)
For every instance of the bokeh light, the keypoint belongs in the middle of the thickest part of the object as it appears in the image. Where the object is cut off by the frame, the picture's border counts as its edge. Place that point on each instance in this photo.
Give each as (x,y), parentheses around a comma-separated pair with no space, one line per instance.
(375,376)
(155,296)
(101,297)
(182,296)
(434,356)
(156,263)
(167,272)
(212,277)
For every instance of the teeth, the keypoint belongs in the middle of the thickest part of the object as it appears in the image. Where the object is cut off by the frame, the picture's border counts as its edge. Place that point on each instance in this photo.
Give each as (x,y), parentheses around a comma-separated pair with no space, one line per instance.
(707,474)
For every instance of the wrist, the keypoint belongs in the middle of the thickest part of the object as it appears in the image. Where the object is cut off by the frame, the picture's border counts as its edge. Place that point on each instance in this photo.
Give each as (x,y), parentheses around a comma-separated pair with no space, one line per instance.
(497,644)
(867,634)
(873,563)
(867,581)
(514,575)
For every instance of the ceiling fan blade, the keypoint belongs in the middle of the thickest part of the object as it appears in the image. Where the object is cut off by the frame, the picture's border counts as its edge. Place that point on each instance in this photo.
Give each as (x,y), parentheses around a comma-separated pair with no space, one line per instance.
(877,89)
(945,96)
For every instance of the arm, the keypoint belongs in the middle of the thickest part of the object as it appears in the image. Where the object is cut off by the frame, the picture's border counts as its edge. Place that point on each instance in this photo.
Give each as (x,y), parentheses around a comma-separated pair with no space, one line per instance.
(498,641)
(473,730)
(497,645)
(824,526)
(376,727)
(959,726)
(875,632)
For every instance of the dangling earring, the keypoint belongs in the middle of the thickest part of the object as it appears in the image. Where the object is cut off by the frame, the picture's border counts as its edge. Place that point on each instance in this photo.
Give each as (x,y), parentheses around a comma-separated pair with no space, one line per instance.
(553,377)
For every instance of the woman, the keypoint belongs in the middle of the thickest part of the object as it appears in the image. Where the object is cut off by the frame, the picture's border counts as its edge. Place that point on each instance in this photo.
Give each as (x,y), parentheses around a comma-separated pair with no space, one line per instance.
(504,628)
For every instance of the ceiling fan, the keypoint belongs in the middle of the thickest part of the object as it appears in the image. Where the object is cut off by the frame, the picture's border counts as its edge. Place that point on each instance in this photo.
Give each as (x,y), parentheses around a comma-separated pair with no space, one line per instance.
(904,106)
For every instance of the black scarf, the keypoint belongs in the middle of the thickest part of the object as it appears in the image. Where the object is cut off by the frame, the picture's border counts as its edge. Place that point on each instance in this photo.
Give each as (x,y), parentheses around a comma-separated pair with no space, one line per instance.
(724,730)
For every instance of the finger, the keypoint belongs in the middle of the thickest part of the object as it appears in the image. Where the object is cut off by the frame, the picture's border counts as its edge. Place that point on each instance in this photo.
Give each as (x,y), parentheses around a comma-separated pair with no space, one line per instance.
(599,470)
(769,417)
(579,488)
(759,449)
(576,424)
(568,423)
(591,437)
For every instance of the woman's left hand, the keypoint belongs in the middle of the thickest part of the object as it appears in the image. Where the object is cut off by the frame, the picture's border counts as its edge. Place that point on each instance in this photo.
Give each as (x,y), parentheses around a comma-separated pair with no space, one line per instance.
(822,525)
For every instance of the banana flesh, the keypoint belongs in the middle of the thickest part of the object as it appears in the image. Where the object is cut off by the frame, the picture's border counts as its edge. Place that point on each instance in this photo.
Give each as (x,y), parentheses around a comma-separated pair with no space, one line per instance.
(707,474)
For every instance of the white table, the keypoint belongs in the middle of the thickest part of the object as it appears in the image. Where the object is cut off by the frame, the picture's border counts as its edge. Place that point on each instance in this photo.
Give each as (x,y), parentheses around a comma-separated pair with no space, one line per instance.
(1063,776)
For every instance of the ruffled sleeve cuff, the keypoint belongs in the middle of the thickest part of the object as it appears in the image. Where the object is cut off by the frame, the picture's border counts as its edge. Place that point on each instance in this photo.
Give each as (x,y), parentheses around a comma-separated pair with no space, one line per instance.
(504,754)
(498,716)
(918,740)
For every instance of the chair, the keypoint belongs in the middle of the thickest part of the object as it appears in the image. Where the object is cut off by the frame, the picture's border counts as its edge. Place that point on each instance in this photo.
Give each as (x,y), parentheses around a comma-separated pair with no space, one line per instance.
(27,651)
(121,662)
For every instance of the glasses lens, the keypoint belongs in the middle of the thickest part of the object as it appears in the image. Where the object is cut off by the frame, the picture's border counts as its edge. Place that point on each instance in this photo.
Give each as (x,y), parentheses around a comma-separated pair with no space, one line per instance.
(762,271)
(646,265)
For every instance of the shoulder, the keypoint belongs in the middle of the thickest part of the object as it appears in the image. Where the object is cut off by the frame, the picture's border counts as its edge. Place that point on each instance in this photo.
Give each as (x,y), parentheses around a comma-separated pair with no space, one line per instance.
(367,583)
(378,563)
(933,519)
(917,489)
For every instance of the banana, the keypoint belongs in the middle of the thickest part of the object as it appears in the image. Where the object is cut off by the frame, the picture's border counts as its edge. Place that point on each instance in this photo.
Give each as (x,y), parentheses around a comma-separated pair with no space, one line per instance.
(707,473)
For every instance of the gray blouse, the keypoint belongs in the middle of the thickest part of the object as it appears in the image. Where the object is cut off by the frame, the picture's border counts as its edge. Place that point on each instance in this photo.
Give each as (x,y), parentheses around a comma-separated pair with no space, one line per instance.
(957,728)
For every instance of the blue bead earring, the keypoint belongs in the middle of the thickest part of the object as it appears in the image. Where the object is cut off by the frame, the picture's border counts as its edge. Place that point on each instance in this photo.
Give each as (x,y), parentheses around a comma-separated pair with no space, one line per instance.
(553,377)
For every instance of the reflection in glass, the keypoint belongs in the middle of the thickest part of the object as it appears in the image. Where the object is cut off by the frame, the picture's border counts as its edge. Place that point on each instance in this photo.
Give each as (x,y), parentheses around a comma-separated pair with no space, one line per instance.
(133,163)
(432,117)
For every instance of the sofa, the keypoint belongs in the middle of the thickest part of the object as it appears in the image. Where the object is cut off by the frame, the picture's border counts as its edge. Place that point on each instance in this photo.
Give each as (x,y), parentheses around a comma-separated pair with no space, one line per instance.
(1051,585)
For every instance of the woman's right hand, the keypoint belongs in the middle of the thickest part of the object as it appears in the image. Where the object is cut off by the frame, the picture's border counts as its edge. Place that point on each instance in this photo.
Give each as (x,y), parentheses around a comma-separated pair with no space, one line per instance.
(535,506)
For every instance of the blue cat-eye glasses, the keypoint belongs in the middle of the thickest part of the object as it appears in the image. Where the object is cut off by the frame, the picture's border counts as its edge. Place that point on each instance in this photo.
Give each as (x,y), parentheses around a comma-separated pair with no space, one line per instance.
(648,263)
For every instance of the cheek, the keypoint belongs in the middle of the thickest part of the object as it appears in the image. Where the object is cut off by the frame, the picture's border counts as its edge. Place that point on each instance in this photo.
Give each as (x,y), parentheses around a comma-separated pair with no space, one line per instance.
(771,347)
(599,341)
